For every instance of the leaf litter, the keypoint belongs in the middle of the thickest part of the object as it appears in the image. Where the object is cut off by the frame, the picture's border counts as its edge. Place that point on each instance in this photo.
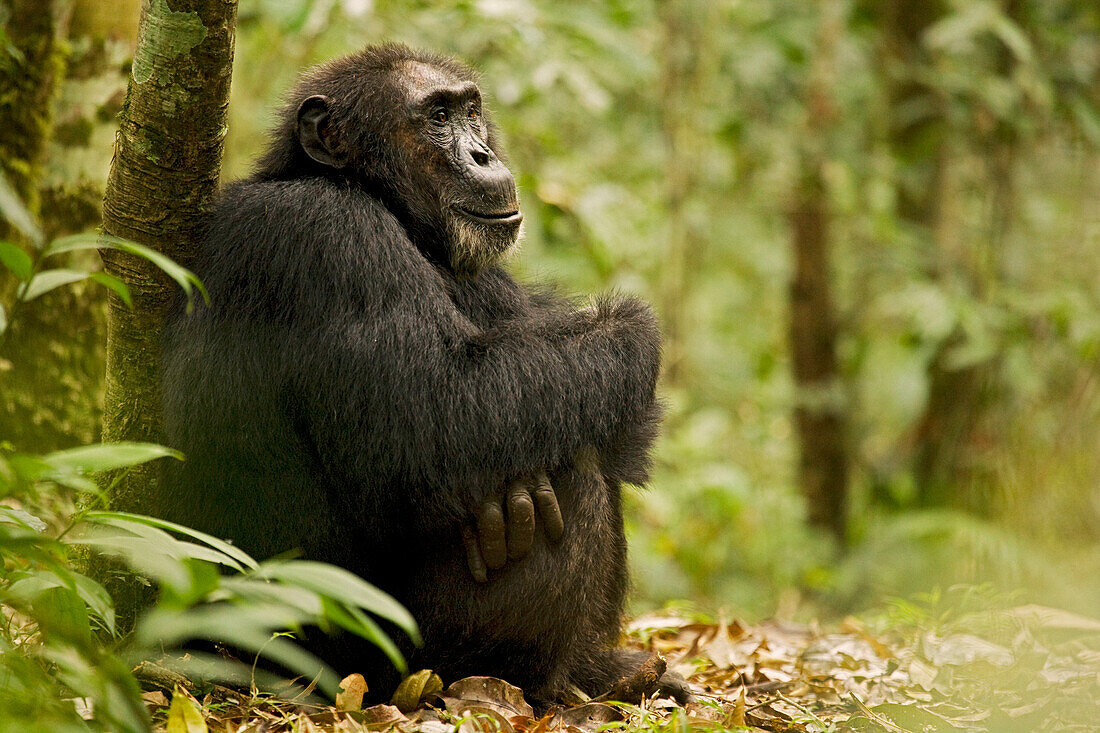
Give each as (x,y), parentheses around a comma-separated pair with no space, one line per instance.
(1029,668)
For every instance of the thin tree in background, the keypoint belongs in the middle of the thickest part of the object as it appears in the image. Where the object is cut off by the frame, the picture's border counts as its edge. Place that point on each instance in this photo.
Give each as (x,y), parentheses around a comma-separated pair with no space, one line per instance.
(820,412)
(684,23)
(29,71)
(165,170)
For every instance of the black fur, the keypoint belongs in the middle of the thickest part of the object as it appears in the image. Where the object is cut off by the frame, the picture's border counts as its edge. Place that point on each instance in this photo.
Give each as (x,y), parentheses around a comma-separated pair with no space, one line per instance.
(350,395)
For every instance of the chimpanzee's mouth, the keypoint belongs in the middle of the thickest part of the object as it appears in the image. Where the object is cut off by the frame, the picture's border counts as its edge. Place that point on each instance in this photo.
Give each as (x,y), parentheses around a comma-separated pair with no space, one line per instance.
(505,217)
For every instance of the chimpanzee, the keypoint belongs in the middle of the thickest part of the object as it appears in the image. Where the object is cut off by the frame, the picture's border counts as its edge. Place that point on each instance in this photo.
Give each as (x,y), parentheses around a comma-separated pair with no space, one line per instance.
(370,388)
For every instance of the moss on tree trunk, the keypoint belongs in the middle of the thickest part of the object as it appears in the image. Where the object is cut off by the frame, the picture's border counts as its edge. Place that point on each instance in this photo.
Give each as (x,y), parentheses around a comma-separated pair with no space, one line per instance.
(164,173)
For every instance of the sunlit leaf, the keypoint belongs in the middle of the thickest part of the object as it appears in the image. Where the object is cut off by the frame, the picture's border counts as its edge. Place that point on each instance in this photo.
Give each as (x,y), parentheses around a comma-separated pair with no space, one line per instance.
(48,280)
(107,456)
(352,689)
(184,715)
(22,518)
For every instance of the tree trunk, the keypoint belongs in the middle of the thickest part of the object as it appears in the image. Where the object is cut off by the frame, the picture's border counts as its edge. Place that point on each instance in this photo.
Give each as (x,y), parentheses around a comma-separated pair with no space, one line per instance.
(165,170)
(820,411)
(685,24)
(954,430)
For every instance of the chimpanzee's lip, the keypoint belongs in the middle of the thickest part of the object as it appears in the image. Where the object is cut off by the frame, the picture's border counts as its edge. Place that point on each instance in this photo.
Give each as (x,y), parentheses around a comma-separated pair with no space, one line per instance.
(504,217)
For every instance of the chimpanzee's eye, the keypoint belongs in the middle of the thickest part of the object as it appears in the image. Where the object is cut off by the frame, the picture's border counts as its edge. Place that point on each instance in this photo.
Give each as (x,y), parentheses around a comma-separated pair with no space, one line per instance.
(440,116)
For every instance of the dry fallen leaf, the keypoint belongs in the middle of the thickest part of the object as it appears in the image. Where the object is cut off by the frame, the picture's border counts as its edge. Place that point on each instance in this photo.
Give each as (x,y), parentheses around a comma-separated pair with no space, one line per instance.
(591,716)
(381,717)
(488,692)
(352,687)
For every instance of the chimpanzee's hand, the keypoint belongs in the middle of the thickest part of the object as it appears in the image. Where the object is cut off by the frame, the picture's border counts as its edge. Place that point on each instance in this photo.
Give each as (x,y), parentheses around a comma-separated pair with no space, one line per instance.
(505,530)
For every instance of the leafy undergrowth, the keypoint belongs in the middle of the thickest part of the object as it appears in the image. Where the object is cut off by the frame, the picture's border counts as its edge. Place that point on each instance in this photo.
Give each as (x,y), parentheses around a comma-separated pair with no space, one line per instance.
(1028,668)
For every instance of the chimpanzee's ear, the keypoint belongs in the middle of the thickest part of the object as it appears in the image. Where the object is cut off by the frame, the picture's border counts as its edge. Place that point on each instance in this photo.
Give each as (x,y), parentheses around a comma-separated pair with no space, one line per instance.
(318,134)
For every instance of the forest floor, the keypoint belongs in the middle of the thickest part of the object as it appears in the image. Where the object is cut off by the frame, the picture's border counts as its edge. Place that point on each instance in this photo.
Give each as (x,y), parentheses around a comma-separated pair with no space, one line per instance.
(1028,668)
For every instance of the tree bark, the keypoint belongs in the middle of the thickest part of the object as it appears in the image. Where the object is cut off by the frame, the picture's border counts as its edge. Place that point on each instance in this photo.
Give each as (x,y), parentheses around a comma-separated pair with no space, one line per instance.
(164,173)
(820,409)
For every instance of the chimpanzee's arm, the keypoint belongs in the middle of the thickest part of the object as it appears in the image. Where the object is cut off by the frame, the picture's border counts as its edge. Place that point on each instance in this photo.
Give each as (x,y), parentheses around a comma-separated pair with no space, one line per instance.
(402,386)
(495,297)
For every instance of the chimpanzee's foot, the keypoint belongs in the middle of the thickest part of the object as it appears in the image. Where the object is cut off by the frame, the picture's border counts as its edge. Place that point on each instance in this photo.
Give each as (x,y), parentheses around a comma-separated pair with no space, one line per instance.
(647,675)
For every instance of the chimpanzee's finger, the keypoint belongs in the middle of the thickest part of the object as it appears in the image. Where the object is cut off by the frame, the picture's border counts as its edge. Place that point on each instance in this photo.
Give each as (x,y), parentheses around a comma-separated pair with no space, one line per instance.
(547,503)
(490,535)
(473,555)
(521,520)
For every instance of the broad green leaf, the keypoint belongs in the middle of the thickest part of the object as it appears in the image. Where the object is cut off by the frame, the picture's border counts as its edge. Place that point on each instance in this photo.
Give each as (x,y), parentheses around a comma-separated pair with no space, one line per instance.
(32,583)
(16,260)
(47,280)
(16,213)
(60,609)
(342,586)
(107,456)
(236,553)
(184,715)
(183,277)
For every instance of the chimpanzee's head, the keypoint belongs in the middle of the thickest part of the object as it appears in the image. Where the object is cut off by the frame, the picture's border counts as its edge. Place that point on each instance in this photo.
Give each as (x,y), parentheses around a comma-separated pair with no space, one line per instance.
(409,128)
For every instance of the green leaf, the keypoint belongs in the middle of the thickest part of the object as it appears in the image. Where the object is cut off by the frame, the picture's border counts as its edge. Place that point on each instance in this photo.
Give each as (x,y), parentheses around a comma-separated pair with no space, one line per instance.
(113,283)
(46,281)
(59,610)
(342,586)
(16,260)
(16,213)
(183,277)
(357,622)
(106,457)
(250,627)
(149,549)
(21,518)
(33,583)
(236,553)
(184,716)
